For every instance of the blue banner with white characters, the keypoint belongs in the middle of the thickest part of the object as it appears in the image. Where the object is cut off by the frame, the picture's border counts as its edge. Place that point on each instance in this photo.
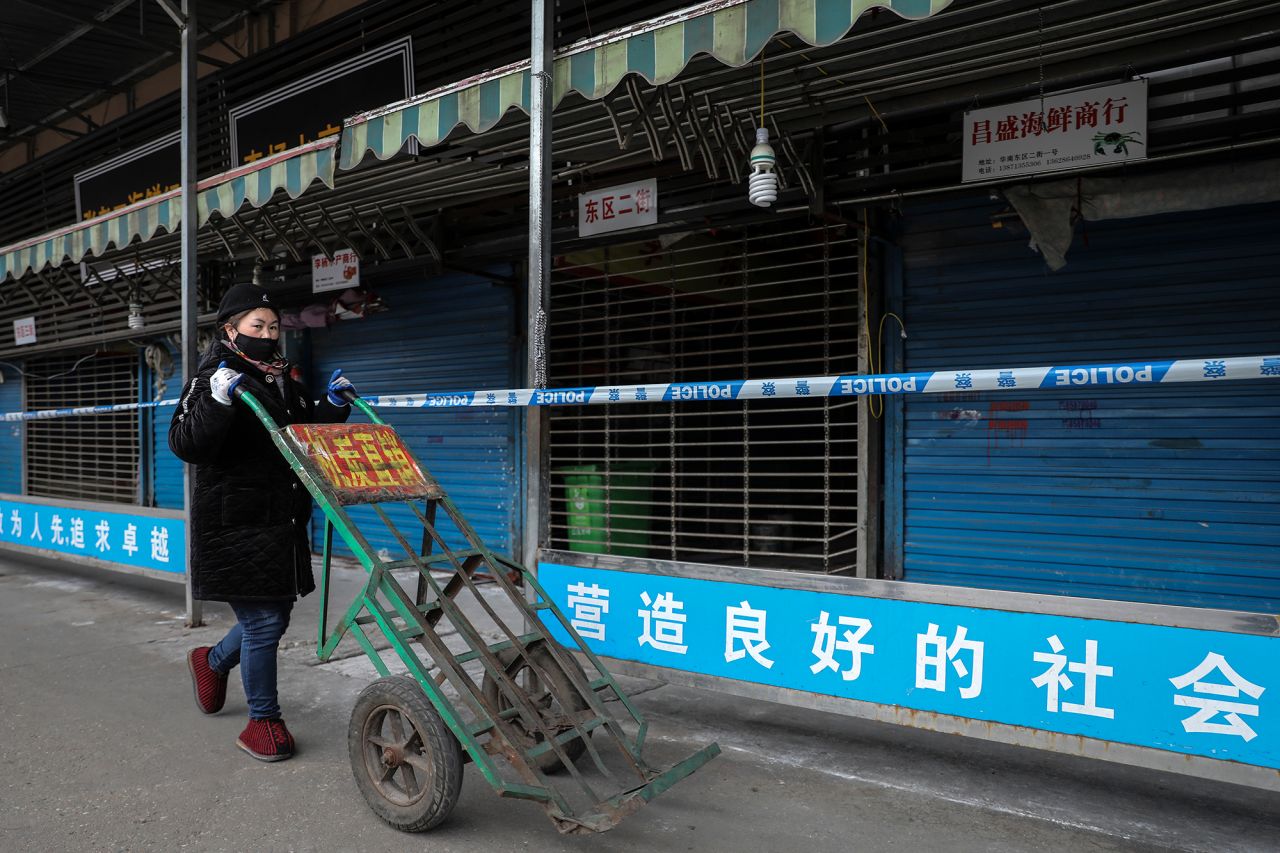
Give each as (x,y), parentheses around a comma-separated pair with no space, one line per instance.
(130,539)
(1189,691)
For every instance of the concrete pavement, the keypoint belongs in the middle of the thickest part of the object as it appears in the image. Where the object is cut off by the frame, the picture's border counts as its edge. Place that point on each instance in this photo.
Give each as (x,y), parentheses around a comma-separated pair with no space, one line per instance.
(103,749)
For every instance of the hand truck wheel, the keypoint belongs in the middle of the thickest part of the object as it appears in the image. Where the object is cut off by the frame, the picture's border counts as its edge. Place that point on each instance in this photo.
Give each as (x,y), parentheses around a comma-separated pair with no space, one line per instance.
(544,700)
(406,762)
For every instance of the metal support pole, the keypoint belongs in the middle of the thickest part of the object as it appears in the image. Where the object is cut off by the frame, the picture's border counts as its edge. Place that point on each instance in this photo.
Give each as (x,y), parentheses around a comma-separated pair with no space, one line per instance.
(537,488)
(870,411)
(190,357)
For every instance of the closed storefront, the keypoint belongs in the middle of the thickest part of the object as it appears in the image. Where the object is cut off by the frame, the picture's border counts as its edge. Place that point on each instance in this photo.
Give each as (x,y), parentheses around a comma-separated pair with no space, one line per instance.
(767,483)
(162,379)
(11,432)
(86,458)
(450,333)
(1167,494)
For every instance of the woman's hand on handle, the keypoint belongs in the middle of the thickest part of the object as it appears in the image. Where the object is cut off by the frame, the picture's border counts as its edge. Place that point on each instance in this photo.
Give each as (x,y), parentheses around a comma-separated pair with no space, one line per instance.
(340,391)
(223,382)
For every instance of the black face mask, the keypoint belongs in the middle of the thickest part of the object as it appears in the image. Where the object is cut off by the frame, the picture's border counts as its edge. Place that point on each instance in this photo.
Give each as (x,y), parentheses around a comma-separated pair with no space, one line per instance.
(256,349)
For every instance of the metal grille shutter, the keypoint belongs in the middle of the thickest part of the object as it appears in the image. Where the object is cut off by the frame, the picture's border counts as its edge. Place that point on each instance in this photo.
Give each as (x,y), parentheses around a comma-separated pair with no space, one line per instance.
(89,458)
(452,333)
(766,483)
(1164,494)
(11,433)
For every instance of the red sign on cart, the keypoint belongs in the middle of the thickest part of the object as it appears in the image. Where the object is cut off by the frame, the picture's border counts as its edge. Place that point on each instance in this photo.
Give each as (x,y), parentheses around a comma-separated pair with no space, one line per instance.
(362,463)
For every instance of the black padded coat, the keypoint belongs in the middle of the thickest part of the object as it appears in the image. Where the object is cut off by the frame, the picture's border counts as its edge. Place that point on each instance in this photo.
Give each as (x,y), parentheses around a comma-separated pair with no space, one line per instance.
(250,513)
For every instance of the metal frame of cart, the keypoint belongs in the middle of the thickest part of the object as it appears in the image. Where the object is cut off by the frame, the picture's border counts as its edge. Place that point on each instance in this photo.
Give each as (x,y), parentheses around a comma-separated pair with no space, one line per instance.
(521,708)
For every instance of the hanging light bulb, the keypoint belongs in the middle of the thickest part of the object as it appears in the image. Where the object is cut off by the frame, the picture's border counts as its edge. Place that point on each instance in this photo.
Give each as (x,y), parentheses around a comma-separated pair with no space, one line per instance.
(762,184)
(135,319)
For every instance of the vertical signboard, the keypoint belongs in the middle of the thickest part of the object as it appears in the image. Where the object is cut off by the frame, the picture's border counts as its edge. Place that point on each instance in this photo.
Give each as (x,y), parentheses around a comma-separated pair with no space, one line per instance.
(24,331)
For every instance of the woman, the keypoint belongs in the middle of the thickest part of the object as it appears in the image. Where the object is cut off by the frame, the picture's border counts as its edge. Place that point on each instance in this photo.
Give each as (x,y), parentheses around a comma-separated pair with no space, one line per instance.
(249,514)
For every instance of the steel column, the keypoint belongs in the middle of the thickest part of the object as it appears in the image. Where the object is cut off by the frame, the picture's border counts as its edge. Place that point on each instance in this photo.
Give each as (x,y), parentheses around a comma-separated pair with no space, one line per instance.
(537,490)
(869,411)
(190,357)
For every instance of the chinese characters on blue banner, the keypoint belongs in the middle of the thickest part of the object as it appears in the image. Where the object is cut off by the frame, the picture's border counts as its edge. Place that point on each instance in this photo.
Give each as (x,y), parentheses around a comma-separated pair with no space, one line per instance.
(1196,692)
(139,541)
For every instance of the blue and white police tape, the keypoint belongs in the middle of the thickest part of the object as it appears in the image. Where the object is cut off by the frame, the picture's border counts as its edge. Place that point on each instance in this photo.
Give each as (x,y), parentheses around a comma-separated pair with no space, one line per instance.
(937,382)
(45,414)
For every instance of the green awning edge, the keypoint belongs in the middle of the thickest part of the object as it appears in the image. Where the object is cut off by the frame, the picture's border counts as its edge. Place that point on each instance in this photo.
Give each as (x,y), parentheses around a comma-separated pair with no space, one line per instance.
(293,171)
(731,31)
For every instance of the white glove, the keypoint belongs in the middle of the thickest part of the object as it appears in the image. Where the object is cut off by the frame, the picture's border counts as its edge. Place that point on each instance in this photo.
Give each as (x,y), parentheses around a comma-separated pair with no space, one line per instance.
(223,382)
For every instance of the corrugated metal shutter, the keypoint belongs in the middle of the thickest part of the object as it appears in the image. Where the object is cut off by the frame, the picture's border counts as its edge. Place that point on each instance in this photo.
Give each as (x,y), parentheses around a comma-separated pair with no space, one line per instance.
(11,433)
(1164,494)
(452,333)
(165,469)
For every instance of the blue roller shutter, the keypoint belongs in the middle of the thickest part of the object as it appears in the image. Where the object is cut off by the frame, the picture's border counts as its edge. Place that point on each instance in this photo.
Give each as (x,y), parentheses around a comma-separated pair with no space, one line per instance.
(452,333)
(165,468)
(10,432)
(1163,494)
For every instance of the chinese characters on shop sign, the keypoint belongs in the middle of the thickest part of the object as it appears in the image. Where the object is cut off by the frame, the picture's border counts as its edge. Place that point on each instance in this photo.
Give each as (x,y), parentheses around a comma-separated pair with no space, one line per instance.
(133,197)
(311,108)
(141,541)
(1190,691)
(616,208)
(361,463)
(137,175)
(337,274)
(24,331)
(1065,131)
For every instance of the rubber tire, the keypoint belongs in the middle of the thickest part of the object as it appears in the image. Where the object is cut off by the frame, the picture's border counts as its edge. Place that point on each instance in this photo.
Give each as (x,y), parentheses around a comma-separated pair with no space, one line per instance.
(548,762)
(444,786)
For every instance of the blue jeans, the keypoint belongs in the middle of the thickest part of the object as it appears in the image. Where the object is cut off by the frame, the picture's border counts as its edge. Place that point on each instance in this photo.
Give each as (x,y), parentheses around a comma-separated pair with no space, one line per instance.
(252,642)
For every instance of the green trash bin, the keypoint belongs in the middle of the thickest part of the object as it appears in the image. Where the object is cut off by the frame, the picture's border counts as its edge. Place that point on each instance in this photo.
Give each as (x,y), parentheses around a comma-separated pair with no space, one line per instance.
(595,509)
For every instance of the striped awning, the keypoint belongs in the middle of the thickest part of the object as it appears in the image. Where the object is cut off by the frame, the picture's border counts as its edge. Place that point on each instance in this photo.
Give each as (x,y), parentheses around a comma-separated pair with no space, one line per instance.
(293,171)
(732,31)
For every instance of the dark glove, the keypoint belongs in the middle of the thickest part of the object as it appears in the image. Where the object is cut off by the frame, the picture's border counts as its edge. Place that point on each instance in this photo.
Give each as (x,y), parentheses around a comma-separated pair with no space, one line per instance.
(337,384)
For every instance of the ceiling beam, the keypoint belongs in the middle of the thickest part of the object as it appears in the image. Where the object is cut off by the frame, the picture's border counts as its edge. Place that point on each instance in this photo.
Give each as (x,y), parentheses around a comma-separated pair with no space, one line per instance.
(93,24)
(78,32)
(122,82)
(173,12)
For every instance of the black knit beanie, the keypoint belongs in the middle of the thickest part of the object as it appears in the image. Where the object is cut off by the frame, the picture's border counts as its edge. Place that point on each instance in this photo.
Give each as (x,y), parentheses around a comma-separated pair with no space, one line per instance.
(244,297)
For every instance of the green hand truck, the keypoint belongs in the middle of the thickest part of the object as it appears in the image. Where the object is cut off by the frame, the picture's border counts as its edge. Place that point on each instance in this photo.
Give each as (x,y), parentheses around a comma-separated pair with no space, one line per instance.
(508,698)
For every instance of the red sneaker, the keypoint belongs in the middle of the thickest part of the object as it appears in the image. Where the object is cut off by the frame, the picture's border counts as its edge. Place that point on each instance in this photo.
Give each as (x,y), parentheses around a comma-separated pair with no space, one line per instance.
(266,740)
(210,687)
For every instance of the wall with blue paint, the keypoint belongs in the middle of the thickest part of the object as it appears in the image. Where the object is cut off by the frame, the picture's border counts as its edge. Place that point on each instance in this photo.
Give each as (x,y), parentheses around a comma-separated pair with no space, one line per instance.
(1162,494)
(450,333)
(11,434)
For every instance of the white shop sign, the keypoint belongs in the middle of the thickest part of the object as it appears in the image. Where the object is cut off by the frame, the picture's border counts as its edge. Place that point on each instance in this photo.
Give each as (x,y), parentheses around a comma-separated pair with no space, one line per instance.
(24,331)
(618,208)
(1066,131)
(337,274)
